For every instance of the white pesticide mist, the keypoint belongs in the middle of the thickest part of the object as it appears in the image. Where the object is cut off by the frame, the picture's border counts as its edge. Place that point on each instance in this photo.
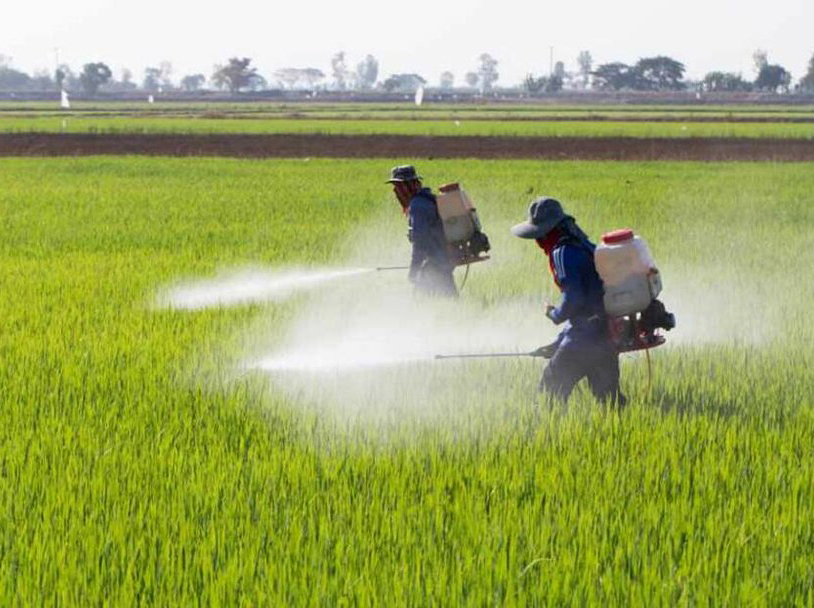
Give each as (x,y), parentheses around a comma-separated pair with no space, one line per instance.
(247,286)
(715,306)
(368,351)
(364,350)
(389,329)
(361,347)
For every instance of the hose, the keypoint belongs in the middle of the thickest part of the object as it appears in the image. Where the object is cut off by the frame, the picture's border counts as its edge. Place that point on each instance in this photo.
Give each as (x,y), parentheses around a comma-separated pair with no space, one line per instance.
(466,276)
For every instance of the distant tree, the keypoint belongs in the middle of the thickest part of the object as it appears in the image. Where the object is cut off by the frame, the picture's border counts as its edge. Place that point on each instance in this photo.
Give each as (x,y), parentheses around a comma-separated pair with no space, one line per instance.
(554,84)
(42,81)
(487,71)
(547,84)
(258,83)
(367,71)
(287,77)
(760,59)
(13,80)
(65,78)
(193,82)
(339,71)
(773,78)
(291,77)
(403,83)
(165,77)
(472,79)
(807,81)
(534,85)
(236,75)
(93,76)
(659,74)
(158,78)
(614,76)
(447,80)
(585,62)
(311,76)
(125,82)
(152,79)
(725,81)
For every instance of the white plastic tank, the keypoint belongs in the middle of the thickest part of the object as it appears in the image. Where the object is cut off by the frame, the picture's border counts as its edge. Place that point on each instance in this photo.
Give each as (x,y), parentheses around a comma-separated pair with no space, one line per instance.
(457,213)
(629,274)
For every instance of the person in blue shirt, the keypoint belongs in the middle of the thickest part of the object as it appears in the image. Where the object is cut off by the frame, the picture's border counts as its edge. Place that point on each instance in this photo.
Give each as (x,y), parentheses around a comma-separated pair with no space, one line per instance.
(430,265)
(584,348)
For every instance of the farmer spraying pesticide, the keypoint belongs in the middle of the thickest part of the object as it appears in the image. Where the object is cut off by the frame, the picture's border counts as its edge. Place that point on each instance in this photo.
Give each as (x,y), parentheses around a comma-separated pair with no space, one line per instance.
(608,307)
(444,231)
(584,348)
(609,303)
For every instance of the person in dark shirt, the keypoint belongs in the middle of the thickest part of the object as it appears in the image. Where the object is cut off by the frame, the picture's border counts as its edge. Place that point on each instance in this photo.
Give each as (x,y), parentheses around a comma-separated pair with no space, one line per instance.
(584,348)
(430,265)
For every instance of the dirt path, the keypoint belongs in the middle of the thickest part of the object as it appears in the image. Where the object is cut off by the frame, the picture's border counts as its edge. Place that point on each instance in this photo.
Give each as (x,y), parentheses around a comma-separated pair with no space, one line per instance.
(406,146)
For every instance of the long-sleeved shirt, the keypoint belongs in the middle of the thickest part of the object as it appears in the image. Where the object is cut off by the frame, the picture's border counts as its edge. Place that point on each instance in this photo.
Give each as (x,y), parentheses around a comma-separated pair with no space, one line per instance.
(427,236)
(575,273)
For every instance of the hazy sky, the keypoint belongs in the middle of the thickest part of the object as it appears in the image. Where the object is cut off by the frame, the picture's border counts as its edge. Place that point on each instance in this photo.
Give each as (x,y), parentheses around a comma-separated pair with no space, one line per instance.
(423,36)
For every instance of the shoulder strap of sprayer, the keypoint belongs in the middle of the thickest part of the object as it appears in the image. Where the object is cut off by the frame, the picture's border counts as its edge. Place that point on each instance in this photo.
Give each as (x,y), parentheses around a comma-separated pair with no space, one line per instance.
(573,235)
(568,239)
(428,194)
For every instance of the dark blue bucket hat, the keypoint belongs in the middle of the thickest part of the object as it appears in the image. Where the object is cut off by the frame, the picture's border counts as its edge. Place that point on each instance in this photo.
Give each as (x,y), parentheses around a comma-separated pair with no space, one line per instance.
(403,173)
(544,215)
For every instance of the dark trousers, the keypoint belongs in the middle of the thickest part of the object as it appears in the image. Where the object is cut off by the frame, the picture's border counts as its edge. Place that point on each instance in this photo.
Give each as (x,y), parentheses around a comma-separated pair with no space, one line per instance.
(436,282)
(596,360)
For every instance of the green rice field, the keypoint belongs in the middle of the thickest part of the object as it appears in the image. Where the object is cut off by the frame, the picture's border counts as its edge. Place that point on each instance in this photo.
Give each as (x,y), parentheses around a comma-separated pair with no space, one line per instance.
(139,463)
(485,109)
(453,126)
(406,119)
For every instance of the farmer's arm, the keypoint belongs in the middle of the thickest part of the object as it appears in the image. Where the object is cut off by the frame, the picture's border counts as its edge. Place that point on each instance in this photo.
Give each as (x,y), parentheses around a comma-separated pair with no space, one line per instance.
(571,264)
(420,233)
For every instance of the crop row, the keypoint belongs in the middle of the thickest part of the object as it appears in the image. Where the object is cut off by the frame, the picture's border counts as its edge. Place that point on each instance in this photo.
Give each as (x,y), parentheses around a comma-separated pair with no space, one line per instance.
(461,127)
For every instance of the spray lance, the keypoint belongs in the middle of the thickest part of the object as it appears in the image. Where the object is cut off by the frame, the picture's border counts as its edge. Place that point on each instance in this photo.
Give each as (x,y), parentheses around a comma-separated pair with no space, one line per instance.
(546,352)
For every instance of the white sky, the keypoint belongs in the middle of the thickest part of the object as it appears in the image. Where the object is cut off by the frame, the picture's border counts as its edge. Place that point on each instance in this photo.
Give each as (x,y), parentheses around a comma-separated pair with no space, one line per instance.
(423,36)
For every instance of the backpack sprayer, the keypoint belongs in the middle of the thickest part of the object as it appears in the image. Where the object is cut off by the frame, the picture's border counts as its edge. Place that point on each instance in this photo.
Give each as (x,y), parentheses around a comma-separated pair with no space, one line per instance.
(631,284)
(465,238)
(466,241)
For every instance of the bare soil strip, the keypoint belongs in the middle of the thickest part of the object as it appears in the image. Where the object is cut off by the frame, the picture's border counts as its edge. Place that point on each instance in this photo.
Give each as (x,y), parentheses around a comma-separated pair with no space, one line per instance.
(407,146)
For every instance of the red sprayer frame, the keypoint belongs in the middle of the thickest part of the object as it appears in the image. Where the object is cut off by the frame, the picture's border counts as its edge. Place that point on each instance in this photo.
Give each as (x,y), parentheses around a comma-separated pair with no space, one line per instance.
(626,333)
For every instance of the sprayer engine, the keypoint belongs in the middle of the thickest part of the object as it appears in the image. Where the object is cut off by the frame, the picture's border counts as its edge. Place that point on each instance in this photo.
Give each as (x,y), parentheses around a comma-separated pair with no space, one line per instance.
(632,282)
(466,240)
(639,331)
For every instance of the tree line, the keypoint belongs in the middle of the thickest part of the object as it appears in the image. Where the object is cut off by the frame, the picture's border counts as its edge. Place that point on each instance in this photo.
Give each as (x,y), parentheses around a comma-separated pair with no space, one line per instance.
(237,74)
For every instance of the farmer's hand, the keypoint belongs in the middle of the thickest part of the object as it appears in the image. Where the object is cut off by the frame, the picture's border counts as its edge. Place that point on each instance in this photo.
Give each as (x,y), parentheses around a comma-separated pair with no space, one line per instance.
(547,351)
(549,309)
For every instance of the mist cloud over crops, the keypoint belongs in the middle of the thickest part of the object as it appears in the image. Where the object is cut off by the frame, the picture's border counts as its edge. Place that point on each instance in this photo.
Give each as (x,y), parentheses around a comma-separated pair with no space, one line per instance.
(236,287)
